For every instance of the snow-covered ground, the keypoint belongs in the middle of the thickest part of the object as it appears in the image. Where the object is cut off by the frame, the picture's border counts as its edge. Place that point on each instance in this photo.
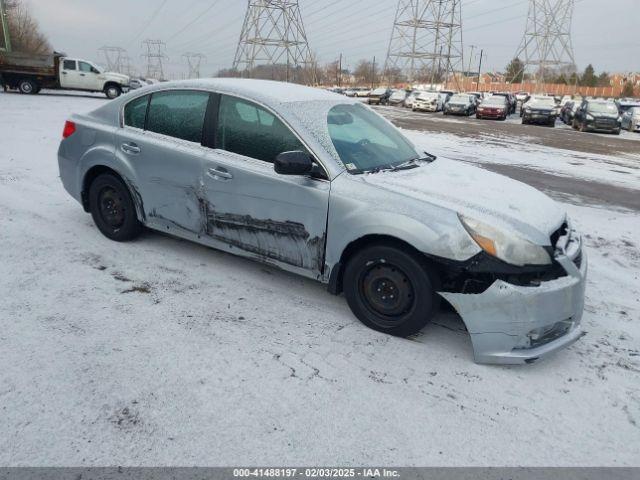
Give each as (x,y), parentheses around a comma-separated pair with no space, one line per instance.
(161,352)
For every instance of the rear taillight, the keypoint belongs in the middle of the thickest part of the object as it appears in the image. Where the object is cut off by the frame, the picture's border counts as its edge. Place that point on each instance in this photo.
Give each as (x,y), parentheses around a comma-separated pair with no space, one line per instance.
(69,129)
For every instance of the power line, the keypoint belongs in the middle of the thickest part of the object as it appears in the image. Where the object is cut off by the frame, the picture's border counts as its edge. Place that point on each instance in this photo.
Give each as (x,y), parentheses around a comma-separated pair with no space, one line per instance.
(149,22)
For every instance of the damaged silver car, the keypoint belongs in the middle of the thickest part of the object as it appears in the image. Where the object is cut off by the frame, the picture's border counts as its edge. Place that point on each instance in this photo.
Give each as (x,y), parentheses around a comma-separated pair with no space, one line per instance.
(318,184)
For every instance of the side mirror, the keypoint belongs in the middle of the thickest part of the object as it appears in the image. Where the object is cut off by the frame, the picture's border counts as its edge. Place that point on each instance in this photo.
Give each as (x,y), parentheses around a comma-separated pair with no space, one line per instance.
(293,163)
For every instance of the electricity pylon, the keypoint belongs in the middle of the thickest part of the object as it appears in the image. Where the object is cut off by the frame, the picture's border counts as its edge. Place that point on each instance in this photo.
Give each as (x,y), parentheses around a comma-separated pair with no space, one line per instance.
(546,46)
(194,60)
(114,57)
(273,34)
(155,56)
(426,42)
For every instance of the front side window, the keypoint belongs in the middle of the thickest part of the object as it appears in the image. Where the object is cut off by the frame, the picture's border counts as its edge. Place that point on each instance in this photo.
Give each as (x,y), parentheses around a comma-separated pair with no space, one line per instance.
(364,141)
(179,114)
(69,65)
(248,129)
(84,67)
(135,112)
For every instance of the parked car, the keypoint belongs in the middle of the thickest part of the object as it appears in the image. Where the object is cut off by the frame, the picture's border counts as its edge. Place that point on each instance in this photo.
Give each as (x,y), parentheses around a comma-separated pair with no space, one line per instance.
(350,92)
(495,107)
(597,116)
(363,92)
(565,99)
(477,95)
(460,104)
(30,73)
(428,102)
(136,83)
(320,185)
(447,94)
(567,111)
(379,96)
(522,96)
(411,98)
(626,104)
(398,97)
(542,110)
(511,101)
(631,119)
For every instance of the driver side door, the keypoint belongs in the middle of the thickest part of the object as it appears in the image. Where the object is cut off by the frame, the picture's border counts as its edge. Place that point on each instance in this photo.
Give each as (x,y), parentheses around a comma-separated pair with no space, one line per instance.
(276,218)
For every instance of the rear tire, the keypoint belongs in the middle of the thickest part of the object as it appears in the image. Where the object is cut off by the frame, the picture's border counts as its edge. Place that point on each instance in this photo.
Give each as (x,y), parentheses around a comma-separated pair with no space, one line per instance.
(390,290)
(28,87)
(112,208)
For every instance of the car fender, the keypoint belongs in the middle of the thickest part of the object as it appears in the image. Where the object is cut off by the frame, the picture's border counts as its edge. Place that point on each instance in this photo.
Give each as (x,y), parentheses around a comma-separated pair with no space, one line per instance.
(102,154)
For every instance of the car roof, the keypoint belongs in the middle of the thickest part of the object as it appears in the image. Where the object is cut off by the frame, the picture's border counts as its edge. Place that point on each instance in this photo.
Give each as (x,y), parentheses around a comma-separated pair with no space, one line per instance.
(268,92)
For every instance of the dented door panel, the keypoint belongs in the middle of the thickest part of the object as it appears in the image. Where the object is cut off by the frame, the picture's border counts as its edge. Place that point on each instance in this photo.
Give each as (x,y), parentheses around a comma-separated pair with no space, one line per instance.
(248,206)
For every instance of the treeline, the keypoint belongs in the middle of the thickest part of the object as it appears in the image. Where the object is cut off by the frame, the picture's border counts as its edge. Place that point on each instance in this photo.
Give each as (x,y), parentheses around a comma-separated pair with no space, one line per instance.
(24,30)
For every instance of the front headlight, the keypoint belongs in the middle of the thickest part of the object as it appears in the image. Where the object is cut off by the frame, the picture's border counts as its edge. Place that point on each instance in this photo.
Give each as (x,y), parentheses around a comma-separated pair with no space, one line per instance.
(590,117)
(504,245)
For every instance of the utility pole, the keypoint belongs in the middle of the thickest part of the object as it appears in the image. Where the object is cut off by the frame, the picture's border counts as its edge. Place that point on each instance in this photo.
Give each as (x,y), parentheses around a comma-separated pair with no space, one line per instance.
(339,72)
(5,27)
(114,57)
(373,73)
(273,34)
(479,70)
(546,46)
(426,33)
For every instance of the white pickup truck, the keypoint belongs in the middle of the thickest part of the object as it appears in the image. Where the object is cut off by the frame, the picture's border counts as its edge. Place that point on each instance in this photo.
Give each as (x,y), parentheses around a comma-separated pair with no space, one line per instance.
(30,73)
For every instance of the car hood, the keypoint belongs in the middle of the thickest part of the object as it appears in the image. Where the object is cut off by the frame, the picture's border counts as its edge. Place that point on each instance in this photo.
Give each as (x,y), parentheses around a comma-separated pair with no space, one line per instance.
(476,193)
(116,76)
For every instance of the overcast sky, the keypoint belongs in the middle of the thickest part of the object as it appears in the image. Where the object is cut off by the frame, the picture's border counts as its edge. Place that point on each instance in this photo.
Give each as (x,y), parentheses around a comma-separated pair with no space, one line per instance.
(605,32)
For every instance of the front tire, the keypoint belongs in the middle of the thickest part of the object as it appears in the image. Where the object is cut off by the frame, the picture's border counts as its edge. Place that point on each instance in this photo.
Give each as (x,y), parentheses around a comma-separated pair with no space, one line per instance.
(390,290)
(112,208)
(112,91)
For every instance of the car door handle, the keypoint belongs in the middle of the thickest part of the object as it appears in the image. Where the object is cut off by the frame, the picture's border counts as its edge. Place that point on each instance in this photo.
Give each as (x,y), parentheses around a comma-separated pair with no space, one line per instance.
(219,174)
(130,148)
(64,73)
(82,75)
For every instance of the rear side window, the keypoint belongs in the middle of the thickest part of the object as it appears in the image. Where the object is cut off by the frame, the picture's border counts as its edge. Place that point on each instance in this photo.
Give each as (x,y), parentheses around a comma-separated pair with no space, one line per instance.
(248,129)
(135,112)
(69,65)
(178,114)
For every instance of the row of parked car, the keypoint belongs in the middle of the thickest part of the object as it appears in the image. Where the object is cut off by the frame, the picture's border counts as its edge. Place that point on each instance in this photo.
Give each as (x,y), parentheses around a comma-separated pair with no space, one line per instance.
(584,114)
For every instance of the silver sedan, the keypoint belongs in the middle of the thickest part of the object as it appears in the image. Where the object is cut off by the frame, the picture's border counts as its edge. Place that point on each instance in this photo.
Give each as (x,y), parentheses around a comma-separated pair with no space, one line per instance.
(318,184)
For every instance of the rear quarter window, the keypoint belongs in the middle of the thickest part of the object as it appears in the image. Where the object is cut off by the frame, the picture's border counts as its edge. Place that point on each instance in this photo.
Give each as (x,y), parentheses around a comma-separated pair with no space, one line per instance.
(135,112)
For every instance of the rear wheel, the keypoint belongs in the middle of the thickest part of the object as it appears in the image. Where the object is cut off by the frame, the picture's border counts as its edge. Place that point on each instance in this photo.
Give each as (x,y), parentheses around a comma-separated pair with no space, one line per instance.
(390,290)
(112,208)
(28,87)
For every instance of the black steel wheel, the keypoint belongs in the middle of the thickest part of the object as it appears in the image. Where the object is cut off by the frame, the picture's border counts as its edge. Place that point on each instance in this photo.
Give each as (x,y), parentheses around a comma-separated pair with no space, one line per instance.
(112,208)
(391,289)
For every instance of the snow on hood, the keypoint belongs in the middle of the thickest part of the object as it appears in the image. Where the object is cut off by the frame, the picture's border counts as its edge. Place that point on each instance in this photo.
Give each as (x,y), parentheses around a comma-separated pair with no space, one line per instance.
(476,193)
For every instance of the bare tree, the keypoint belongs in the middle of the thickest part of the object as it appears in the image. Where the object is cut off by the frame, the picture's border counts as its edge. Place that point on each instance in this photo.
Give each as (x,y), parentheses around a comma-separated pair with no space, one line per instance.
(25,32)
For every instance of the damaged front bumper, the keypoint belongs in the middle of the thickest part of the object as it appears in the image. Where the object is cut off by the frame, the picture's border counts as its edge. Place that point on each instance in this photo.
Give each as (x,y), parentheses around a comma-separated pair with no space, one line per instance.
(511,324)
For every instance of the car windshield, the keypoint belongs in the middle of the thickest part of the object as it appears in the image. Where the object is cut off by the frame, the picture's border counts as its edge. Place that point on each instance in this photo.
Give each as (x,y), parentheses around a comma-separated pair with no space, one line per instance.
(399,94)
(495,100)
(459,99)
(543,101)
(603,108)
(379,91)
(427,96)
(365,142)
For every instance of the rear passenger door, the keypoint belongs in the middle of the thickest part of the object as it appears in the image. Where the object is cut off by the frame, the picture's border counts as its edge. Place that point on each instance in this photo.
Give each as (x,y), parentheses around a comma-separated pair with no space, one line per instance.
(162,142)
(249,206)
(70,75)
